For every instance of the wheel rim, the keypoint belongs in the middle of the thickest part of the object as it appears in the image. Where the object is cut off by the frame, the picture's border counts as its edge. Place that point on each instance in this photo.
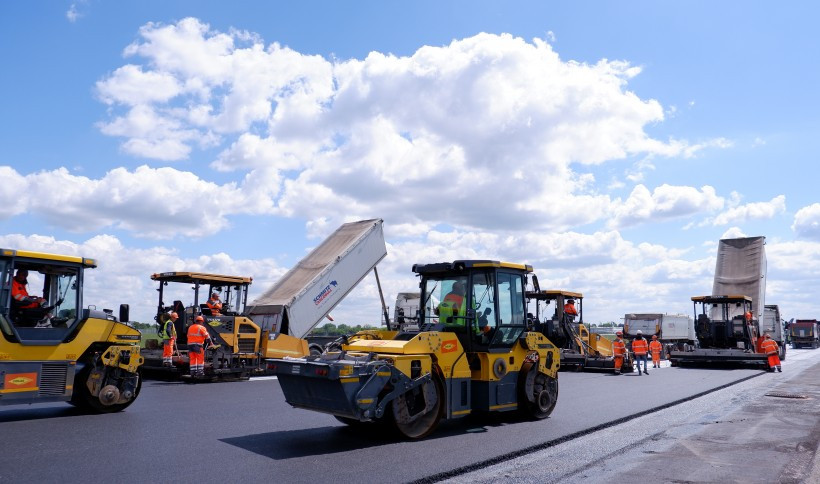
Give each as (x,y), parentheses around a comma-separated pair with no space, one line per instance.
(423,424)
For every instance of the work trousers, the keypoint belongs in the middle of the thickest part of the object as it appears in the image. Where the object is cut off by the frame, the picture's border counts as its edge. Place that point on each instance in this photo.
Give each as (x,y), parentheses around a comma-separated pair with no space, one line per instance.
(638,359)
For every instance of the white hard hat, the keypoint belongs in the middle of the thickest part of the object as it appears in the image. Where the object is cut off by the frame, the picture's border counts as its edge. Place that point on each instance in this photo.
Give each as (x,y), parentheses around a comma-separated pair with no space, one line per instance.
(639,332)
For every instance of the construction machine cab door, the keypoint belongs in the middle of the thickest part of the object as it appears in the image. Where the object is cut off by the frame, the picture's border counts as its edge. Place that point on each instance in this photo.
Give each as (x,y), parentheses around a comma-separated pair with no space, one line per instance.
(511,310)
(49,323)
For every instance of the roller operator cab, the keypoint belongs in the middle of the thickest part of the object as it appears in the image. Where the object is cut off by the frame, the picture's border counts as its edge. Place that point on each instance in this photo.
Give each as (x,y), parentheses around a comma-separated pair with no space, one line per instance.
(55,349)
(472,352)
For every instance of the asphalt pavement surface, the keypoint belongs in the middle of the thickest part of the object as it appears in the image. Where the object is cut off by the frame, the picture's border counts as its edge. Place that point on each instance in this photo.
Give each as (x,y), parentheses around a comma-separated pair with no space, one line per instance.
(762,430)
(244,431)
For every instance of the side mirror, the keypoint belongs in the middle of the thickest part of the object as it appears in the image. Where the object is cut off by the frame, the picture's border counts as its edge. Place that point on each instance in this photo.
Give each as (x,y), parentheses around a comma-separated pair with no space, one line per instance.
(124,313)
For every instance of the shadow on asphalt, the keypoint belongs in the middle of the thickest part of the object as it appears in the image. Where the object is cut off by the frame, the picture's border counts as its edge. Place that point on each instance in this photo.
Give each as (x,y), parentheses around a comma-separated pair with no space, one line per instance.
(289,444)
(29,413)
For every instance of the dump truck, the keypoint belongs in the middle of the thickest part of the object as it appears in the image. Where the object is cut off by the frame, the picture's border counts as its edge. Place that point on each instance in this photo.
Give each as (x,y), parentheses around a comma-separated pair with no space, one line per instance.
(772,323)
(471,352)
(727,322)
(580,348)
(305,295)
(55,349)
(805,333)
(674,331)
(239,344)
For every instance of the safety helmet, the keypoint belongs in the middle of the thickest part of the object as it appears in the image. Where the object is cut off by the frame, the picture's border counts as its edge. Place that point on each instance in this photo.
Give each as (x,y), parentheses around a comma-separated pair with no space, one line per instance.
(654,336)
(199,319)
(173,315)
(619,333)
(639,332)
(571,301)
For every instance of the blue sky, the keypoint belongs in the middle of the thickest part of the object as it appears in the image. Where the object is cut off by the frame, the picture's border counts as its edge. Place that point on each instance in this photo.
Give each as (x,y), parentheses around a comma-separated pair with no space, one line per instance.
(609,144)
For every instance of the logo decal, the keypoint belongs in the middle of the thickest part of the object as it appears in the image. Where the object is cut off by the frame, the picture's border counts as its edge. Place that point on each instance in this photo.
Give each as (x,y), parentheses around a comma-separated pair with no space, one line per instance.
(449,346)
(327,291)
(21,380)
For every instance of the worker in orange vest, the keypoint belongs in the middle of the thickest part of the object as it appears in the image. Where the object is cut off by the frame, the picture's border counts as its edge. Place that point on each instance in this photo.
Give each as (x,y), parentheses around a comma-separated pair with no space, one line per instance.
(618,351)
(640,347)
(197,335)
(569,309)
(769,346)
(19,292)
(214,304)
(168,333)
(655,348)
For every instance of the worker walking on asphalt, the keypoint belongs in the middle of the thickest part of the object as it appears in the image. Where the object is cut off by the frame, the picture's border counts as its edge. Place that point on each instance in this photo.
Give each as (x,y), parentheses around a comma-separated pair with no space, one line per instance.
(769,346)
(655,348)
(197,335)
(618,351)
(640,347)
(168,333)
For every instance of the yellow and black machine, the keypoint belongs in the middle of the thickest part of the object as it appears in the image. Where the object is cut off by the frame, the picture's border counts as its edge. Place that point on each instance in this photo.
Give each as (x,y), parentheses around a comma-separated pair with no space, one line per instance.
(581,349)
(238,343)
(472,352)
(52,347)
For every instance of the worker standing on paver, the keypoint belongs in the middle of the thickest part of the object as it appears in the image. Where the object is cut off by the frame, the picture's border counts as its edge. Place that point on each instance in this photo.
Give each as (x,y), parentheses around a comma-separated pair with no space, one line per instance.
(769,346)
(640,347)
(655,348)
(618,351)
(168,333)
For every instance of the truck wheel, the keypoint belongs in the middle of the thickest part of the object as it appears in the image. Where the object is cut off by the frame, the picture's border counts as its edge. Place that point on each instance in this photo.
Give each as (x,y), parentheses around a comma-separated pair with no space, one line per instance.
(83,399)
(545,391)
(783,352)
(409,415)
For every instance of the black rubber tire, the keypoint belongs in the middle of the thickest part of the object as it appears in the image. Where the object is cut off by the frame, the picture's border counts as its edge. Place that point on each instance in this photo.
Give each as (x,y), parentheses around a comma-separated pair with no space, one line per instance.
(783,353)
(82,398)
(545,391)
(427,423)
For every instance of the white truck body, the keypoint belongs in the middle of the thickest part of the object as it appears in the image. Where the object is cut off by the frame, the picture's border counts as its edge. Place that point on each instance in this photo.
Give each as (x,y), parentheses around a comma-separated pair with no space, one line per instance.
(670,328)
(407,306)
(312,288)
(772,323)
(741,271)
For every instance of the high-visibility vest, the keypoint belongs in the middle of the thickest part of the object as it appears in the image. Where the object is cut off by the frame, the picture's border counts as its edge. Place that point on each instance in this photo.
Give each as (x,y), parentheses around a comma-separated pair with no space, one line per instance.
(639,346)
(769,347)
(655,346)
(20,293)
(452,305)
(214,305)
(197,334)
(570,309)
(168,330)
(618,347)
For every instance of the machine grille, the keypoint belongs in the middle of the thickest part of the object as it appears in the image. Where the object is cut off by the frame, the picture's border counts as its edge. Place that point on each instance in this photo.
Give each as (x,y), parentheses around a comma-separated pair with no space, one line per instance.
(247,328)
(247,345)
(52,379)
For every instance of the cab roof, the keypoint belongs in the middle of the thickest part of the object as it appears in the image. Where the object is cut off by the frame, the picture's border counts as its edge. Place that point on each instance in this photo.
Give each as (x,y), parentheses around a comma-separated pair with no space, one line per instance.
(722,299)
(460,265)
(200,277)
(46,257)
(552,294)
